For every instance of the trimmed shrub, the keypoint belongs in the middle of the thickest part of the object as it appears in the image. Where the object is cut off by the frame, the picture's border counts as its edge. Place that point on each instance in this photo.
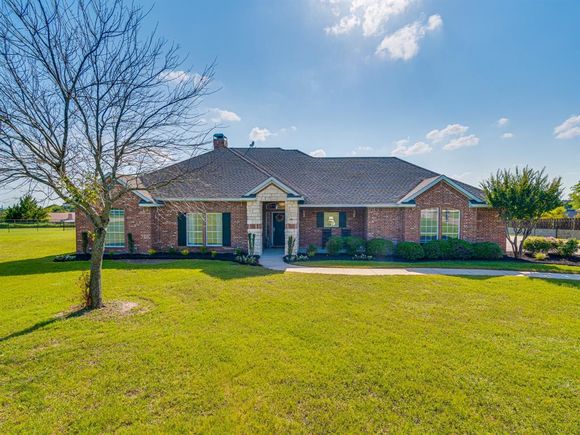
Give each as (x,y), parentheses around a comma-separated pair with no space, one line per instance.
(459,249)
(354,245)
(487,251)
(568,248)
(379,247)
(312,250)
(410,251)
(538,244)
(436,250)
(541,256)
(334,245)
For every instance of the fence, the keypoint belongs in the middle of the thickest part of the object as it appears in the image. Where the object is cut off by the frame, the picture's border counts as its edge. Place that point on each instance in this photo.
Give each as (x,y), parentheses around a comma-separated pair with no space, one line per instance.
(13,224)
(560,228)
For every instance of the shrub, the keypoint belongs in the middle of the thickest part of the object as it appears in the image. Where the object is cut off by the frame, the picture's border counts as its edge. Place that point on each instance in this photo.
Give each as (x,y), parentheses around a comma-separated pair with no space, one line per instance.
(354,245)
(238,251)
(312,250)
(185,252)
(362,257)
(172,249)
(203,250)
(333,245)
(409,251)
(247,259)
(213,254)
(251,244)
(151,251)
(537,244)
(85,238)
(540,256)
(291,245)
(459,249)
(436,249)
(379,247)
(487,251)
(131,243)
(568,248)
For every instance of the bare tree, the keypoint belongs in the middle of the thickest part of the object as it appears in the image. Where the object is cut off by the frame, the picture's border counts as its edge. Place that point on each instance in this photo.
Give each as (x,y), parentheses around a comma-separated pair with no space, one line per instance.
(88,103)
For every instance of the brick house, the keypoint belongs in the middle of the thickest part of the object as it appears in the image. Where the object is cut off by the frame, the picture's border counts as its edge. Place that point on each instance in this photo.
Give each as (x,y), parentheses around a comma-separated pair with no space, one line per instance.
(217,198)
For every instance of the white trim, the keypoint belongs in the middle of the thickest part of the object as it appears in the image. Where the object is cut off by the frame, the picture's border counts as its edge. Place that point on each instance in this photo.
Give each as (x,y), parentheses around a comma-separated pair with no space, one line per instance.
(437,233)
(219,199)
(276,183)
(187,219)
(436,181)
(458,223)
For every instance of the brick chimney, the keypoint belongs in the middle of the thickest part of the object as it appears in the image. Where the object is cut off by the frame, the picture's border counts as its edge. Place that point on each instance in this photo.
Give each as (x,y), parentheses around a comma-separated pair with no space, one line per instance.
(220,141)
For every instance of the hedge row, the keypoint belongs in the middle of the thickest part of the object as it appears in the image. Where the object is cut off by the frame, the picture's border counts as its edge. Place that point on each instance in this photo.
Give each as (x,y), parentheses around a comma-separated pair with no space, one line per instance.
(453,249)
(547,245)
(357,245)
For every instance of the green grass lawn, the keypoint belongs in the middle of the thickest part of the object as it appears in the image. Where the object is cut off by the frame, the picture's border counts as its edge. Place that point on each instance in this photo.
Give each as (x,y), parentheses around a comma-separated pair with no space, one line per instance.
(472,264)
(219,347)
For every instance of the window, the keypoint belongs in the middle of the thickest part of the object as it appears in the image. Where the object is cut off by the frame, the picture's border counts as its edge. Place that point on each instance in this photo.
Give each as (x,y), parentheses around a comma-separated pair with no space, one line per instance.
(450,224)
(115,237)
(429,226)
(194,229)
(331,219)
(213,229)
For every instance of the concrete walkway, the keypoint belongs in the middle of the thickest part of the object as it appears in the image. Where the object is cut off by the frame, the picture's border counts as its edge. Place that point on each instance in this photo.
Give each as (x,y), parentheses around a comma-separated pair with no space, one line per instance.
(273,260)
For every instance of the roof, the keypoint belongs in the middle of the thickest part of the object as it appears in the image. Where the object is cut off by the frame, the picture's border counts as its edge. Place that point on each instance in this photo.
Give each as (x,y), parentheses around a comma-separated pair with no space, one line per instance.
(235,173)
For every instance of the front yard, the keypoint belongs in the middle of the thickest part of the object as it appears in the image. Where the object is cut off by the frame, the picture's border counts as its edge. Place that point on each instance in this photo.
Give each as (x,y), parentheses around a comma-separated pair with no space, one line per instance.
(221,347)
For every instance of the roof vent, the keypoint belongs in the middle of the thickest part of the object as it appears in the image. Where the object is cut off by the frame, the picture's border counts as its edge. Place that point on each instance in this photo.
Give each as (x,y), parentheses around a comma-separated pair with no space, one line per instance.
(220,141)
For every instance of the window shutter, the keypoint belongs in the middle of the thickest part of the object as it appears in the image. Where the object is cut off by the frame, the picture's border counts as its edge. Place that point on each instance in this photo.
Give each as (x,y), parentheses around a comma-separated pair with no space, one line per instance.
(342,219)
(320,219)
(226,229)
(181,229)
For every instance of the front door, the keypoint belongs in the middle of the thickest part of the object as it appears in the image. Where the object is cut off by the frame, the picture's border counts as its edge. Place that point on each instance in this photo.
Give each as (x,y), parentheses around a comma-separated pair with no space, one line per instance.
(278,224)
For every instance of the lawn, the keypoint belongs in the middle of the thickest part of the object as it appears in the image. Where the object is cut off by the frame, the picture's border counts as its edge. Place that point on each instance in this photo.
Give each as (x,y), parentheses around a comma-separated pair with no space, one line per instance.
(472,264)
(219,347)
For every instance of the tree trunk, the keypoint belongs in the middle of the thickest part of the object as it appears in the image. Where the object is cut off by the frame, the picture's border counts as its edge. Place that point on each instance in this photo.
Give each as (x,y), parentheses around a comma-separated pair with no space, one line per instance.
(95,286)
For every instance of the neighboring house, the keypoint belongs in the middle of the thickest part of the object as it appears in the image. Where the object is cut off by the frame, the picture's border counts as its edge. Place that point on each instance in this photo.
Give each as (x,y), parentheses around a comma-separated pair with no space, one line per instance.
(221,196)
(66,217)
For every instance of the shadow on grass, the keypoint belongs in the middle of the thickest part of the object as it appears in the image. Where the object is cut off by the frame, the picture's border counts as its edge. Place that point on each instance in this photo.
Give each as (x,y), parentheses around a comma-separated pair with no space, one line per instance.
(44,323)
(224,270)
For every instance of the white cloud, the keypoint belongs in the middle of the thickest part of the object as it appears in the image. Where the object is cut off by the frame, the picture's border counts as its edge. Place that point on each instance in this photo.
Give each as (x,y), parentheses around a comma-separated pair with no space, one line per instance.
(502,122)
(417,148)
(176,76)
(569,129)
(451,130)
(345,25)
(260,134)
(318,153)
(220,115)
(371,15)
(462,176)
(404,43)
(361,150)
(507,135)
(461,142)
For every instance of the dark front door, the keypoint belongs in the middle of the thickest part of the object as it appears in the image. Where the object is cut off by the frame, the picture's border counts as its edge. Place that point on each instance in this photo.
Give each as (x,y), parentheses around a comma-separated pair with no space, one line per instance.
(278,224)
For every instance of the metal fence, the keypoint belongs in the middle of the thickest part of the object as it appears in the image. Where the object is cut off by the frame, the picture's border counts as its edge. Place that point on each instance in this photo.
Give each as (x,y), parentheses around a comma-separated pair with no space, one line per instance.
(14,224)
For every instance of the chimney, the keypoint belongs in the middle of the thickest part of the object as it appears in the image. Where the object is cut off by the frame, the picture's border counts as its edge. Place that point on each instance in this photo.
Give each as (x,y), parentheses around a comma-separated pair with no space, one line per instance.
(220,141)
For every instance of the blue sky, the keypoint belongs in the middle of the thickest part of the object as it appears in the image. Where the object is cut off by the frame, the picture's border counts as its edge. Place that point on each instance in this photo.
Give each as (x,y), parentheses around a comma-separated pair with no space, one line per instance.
(426,80)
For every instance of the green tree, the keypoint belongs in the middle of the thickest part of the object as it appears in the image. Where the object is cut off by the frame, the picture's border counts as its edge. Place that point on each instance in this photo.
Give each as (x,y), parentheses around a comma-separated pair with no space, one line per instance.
(557,213)
(521,198)
(575,196)
(27,208)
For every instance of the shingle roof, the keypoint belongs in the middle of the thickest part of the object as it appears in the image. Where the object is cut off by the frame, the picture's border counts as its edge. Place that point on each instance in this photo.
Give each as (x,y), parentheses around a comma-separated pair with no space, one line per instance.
(233,172)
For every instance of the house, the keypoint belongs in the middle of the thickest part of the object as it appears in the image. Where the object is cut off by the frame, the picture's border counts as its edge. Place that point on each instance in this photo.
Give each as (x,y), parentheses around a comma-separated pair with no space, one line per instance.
(60,218)
(216,199)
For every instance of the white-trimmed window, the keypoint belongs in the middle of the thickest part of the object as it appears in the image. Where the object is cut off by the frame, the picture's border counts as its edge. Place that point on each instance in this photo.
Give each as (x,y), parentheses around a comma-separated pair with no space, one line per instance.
(450,223)
(213,229)
(194,229)
(115,237)
(429,225)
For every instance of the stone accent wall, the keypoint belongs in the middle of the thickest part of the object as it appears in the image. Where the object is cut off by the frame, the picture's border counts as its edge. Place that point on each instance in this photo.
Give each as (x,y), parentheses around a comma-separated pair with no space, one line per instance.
(309,233)
(138,221)
(291,228)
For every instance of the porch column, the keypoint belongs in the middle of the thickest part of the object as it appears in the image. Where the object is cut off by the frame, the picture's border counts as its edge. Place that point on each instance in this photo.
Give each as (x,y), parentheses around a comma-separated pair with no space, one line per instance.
(254,211)
(291,229)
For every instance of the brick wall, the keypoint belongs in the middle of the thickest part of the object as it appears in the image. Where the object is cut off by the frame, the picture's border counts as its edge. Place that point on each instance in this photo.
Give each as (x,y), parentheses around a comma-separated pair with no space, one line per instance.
(156,227)
(166,222)
(138,221)
(309,233)
(490,227)
(385,223)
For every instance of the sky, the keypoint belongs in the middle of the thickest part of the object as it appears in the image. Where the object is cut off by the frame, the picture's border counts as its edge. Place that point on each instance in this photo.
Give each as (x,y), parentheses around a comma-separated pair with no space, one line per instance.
(460,87)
